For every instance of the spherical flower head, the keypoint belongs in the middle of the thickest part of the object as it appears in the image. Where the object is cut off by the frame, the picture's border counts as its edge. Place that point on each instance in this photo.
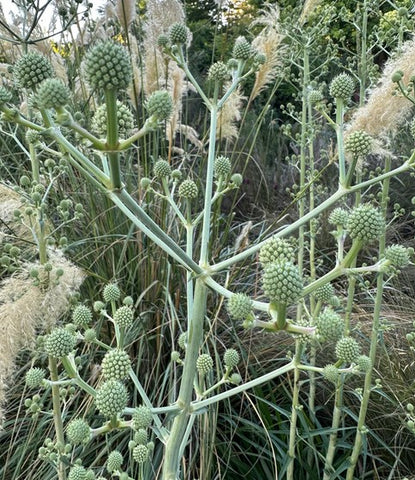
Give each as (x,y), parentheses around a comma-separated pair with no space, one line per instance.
(331,373)
(141,437)
(231,358)
(33,137)
(5,95)
(52,93)
(140,453)
(34,377)
(324,293)
(275,250)
(339,216)
(82,316)
(240,306)
(90,335)
(160,105)
(358,143)
(98,306)
(163,41)
(125,120)
(282,282)
(124,316)
(330,326)
(111,293)
(178,34)
(188,189)
(347,349)
(365,223)
(398,255)
(77,472)
(218,72)
(142,417)
(237,179)
(116,364)
(78,432)
(222,167)
(235,378)
(107,66)
(315,96)
(114,461)
(204,363)
(182,340)
(242,50)
(364,363)
(342,86)
(111,398)
(161,168)
(31,69)
(59,343)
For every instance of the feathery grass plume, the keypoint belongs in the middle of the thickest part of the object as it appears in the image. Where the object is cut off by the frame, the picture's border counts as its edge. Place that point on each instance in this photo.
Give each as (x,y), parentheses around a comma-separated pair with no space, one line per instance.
(134,88)
(229,115)
(25,308)
(126,12)
(9,202)
(384,112)
(268,42)
(308,8)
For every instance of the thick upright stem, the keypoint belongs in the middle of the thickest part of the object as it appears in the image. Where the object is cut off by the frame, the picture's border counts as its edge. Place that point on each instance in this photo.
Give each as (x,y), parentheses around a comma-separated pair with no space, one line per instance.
(112,138)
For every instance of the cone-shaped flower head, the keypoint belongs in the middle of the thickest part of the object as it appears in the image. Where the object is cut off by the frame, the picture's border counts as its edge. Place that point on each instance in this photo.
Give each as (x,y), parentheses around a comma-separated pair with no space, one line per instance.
(111,292)
(114,461)
(52,93)
(116,364)
(324,293)
(77,472)
(315,96)
(204,363)
(59,343)
(398,255)
(282,282)
(178,34)
(331,373)
(107,66)
(142,417)
(78,431)
(240,306)
(275,250)
(141,436)
(231,358)
(364,363)
(34,377)
(5,95)
(358,143)
(188,189)
(160,105)
(111,398)
(161,168)
(124,316)
(140,453)
(342,86)
(125,120)
(31,69)
(339,216)
(365,223)
(222,166)
(242,50)
(218,72)
(347,349)
(330,326)
(82,316)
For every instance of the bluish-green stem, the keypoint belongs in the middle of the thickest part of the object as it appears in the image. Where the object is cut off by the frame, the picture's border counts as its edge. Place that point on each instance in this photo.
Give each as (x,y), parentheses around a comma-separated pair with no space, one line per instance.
(112,139)
(357,447)
(189,253)
(180,422)
(34,163)
(340,141)
(294,411)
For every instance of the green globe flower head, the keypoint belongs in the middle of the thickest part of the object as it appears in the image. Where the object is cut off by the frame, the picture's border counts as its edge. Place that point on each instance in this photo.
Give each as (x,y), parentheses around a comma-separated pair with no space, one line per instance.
(235,378)
(364,363)
(231,358)
(31,69)
(52,93)
(365,223)
(34,377)
(116,364)
(347,349)
(330,326)
(78,432)
(163,41)
(339,216)
(315,96)
(342,86)
(77,472)
(125,120)
(188,189)
(178,34)
(114,461)
(182,341)
(141,437)
(236,179)
(90,335)
(331,373)
(82,316)
(124,316)
(142,417)
(5,95)
(218,72)
(242,50)
(111,293)
(240,307)
(358,143)
(160,105)
(107,66)
(111,398)
(161,169)
(33,137)
(59,343)
(140,453)
(222,167)
(324,293)
(282,282)
(204,363)
(398,255)
(275,250)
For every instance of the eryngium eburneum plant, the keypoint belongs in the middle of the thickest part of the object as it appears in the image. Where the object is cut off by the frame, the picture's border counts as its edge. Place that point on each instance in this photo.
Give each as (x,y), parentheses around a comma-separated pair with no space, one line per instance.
(204,381)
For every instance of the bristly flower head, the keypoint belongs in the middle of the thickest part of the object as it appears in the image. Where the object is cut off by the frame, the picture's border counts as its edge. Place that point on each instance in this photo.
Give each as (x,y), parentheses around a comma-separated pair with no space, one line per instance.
(347,349)
(242,50)
(358,143)
(5,95)
(160,105)
(125,120)
(365,223)
(178,34)
(59,343)
(282,282)
(31,69)
(111,398)
(107,66)
(52,93)
(342,86)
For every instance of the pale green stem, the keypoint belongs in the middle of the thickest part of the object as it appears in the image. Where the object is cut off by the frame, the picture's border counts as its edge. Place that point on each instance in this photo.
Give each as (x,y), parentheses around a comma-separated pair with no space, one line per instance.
(149,125)
(373,341)
(112,139)
(57,414)
(340,147)
(294,412)
(34,163)
(189,253)
(96,143)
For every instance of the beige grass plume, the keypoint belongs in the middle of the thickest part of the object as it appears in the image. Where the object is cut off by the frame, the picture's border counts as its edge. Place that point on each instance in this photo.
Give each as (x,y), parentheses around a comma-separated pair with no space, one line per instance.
(229,116)
(308,9)
(126,12)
